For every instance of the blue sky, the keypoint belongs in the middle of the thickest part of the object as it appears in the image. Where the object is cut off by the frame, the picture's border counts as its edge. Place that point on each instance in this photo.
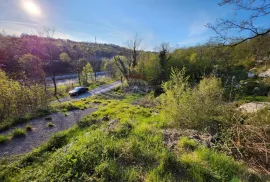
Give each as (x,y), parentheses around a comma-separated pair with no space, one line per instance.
(179,22)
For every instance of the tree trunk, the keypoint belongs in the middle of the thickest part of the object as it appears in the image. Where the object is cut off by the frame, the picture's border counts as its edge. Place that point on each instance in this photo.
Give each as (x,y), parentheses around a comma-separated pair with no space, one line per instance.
(55,86)
(79,78)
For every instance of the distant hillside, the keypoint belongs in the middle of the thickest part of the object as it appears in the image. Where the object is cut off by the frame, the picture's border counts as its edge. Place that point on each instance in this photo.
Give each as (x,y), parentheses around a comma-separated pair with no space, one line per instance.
(12,48)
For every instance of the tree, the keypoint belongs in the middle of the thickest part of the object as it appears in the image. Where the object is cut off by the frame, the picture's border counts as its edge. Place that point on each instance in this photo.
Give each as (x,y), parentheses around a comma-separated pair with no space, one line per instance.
(32,67)
(257,9)
(79,65)
(133,52)
(148,66)
(87,72)
(164,57)
(128,62)
(49,33)
(65,57)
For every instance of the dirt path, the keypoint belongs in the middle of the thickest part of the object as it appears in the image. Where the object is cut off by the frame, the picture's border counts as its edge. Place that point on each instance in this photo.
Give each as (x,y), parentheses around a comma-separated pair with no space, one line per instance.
(41,133)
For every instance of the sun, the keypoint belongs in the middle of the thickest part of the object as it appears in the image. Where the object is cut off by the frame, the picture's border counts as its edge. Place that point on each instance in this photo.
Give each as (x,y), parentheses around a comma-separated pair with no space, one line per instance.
(31,8)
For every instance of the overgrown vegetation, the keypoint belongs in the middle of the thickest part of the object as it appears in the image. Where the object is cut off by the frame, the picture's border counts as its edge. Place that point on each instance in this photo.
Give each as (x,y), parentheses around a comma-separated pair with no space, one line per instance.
(126,147)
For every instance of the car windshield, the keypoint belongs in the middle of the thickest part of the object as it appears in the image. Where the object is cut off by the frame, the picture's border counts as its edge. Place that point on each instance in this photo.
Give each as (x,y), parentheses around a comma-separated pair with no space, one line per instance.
(77,88)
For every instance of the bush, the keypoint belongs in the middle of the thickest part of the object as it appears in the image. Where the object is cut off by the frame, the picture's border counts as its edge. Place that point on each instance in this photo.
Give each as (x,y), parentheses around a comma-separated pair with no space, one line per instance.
(18,132)
(196,107)
(15,102)
(3,139)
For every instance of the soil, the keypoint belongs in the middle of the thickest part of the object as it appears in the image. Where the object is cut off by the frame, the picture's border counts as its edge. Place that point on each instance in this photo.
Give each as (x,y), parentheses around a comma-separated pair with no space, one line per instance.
(40,133)
(253,106)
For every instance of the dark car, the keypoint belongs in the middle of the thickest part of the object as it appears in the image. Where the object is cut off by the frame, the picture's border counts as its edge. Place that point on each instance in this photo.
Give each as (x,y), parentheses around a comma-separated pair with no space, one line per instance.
(78,91)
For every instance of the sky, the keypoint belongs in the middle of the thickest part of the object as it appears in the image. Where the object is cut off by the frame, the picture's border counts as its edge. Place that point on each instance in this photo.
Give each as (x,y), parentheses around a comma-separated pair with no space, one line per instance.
(179,22)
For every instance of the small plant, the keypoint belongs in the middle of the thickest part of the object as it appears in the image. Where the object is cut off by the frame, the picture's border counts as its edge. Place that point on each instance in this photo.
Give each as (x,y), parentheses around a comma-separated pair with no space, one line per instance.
(3,138)
(28,128)
(48,118)
(187,144)
(86,122)
(50,124)
(18,132)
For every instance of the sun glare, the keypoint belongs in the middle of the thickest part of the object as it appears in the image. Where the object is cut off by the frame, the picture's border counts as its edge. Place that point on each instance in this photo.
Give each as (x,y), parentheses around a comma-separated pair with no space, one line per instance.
(31,8)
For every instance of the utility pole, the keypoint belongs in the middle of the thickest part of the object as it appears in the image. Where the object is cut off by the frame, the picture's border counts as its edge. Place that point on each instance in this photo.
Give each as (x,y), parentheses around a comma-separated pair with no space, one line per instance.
(95,61)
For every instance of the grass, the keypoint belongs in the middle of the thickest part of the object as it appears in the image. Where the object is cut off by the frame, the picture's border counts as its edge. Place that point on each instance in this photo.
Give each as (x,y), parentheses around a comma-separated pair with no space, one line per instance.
(50,124)
(18,132)
(130,149)
(207,165)
(4,139)
(254,99)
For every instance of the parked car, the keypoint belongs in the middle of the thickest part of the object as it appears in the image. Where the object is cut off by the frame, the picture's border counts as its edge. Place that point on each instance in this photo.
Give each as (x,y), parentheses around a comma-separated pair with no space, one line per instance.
(78,91)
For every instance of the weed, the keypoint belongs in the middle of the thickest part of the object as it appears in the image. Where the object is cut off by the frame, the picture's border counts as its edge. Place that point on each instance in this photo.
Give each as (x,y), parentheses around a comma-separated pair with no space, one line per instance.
(18,132)
(4,139)
(50,124)
(187,144)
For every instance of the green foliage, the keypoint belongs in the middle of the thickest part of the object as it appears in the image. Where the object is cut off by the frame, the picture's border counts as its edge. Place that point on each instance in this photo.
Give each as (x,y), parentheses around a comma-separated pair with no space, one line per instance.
(206,165)
(190,107)
(50,124)
(17,100)
(187,144)
(87,72)
(3,139)
(148,66)
(129,147)
(18,132)
(86,122)
(65,57)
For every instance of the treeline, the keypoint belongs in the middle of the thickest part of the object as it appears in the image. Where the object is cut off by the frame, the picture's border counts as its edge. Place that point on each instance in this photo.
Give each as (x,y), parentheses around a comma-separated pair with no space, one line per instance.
(230,63)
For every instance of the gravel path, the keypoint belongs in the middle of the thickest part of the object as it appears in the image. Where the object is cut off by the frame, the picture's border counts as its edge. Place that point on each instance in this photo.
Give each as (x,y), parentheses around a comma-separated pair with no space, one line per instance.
(40,133)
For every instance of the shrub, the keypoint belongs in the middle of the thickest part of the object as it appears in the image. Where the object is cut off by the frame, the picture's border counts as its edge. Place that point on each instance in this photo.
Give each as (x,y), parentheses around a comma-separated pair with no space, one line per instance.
(3,139)
(18,132)
(188,107)
(50,124)
(15,102)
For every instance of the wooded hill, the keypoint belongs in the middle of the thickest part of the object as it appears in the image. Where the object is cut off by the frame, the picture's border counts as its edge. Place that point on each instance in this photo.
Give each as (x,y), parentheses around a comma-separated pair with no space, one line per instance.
(12,48)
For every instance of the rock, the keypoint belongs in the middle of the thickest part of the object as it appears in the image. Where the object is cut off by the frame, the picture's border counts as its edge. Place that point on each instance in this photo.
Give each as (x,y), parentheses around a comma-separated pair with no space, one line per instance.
(113,122)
